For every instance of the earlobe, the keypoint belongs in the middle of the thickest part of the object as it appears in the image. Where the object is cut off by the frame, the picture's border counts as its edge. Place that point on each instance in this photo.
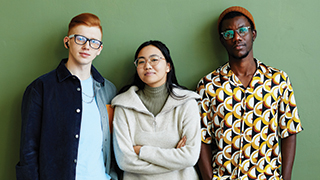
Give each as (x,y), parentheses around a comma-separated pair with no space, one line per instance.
(168,67)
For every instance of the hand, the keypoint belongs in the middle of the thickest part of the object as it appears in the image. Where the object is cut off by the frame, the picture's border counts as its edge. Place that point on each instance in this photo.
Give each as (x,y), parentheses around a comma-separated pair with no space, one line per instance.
(137,149)
(182,142)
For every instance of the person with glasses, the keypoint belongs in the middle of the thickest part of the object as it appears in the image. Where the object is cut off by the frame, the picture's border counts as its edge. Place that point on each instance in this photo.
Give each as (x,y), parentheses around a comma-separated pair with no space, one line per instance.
(249,117)
(65,120)
(156,121)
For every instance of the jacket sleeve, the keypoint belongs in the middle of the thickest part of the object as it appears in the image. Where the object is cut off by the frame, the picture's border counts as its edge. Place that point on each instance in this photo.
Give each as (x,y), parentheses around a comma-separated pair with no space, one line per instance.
(187,156)
(27,167)
(126,158)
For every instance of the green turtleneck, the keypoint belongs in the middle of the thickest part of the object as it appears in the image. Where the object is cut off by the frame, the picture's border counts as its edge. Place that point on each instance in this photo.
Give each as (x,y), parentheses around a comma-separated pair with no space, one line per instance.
(154,98)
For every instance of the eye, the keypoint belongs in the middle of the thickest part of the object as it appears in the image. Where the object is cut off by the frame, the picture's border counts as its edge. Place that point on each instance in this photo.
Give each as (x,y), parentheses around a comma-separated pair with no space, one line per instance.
(81,39)
(154,59)
(243,30)
(228,34)
(95,42)
(141,61)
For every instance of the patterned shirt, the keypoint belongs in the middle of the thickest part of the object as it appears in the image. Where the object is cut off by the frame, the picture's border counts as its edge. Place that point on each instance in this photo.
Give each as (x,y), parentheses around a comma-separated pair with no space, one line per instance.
(243,125)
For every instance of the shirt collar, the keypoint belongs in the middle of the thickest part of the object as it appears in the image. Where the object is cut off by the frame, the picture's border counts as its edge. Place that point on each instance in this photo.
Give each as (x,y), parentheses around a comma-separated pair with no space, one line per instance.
(63,73)
(225,69)
(226,72)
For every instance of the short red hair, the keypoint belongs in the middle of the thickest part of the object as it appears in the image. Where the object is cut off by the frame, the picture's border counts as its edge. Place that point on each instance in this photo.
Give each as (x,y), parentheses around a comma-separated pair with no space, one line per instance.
(87,19)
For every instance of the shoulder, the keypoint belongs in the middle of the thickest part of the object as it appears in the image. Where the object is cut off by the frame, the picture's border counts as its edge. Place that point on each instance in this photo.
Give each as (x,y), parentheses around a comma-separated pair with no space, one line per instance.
(214,75)
(109,85)
(48,78)
(127,97)
(272,72)
(185,94)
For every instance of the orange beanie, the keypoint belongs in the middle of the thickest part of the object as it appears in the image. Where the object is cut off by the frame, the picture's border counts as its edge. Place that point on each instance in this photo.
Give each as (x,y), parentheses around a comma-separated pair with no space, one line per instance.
(236,9)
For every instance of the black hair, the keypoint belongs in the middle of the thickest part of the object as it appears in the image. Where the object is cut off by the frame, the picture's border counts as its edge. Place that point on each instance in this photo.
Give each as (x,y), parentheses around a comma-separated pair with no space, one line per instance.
(233,14)
(171,76)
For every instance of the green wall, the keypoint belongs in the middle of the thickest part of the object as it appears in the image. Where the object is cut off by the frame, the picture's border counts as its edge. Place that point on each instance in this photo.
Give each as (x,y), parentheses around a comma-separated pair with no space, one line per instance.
(31,44)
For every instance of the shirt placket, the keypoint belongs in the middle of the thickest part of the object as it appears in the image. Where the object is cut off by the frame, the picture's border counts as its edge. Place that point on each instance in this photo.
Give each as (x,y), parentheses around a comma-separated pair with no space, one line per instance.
(242,126)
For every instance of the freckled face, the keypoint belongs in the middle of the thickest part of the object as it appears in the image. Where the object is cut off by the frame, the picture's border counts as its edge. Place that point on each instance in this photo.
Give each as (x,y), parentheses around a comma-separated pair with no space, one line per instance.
(153,76)
(239,47)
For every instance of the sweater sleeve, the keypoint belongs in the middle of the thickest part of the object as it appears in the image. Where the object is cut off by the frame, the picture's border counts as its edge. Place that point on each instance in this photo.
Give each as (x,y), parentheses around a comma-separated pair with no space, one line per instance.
(187,156)
(126,158)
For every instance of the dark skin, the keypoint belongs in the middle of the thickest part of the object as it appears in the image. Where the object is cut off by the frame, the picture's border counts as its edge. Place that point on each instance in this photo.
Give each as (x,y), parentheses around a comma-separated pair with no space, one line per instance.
(243,65)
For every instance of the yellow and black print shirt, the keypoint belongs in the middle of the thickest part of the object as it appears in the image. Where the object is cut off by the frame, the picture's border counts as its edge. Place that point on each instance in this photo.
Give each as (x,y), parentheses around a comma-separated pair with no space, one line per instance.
(244,124)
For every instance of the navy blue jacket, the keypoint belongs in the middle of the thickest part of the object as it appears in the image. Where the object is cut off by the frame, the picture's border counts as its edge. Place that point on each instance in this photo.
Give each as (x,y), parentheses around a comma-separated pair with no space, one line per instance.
(51,117)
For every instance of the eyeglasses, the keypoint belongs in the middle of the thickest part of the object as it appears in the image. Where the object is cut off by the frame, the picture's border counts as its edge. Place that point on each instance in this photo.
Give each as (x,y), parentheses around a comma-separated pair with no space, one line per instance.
(229,34)
(81,40)
(153,60)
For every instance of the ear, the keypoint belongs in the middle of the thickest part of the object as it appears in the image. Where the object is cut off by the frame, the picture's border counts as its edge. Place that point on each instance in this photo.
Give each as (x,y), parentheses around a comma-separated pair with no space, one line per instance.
(99,50)
(66,42)
(168,68)
(254,35)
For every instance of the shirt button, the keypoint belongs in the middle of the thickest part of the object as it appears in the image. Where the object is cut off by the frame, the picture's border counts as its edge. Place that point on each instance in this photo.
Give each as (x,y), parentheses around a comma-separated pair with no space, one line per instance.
(77,136)
(78,89)
(78,110)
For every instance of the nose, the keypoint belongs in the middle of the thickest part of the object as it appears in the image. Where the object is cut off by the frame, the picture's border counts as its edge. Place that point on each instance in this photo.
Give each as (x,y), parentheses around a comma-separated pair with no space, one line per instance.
(86,45)
(236,36)
(147,65)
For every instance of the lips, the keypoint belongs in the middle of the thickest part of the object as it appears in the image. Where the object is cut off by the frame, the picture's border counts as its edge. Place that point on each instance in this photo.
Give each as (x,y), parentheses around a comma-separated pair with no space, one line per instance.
(238,46)
(82,54)
(149,73)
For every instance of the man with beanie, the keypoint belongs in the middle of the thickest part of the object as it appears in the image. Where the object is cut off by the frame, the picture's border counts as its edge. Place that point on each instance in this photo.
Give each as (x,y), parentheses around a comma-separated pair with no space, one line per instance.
(247,108)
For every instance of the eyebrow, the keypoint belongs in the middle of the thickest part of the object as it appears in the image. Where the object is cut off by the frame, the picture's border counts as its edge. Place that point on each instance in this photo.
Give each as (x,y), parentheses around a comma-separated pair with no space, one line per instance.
(149,56)
(243,25)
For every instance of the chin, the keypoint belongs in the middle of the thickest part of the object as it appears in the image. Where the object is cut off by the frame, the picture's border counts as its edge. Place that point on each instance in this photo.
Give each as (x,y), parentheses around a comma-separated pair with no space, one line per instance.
(239,56)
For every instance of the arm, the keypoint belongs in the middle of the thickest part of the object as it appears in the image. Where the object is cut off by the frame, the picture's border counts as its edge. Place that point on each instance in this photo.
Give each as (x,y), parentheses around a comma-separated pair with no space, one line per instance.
(125,155)
(180,144)
(288,150)
(205,162)
(179,158)
(27,168)
(290,125)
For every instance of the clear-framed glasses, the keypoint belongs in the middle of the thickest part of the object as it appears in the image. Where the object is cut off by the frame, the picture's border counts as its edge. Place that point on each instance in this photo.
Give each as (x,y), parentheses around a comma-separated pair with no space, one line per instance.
(81,40)
(153,60)
(229,34)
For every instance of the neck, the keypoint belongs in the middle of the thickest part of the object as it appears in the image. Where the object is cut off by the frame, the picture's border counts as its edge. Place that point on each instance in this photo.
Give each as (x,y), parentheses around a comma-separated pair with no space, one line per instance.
(243,67)
(83,72)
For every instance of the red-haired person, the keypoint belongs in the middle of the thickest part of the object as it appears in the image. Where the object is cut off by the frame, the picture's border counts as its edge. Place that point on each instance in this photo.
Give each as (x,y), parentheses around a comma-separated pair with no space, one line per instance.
(65,124)
(247,109)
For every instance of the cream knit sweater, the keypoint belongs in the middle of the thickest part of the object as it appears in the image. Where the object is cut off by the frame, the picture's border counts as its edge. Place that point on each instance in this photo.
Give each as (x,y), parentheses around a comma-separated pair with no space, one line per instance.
(158,135)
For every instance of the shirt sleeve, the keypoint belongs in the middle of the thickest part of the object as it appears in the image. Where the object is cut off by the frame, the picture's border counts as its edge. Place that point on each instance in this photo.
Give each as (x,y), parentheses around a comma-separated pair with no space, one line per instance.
(126,158)
(289,120)
(27,168)
(179,158)
(207,94)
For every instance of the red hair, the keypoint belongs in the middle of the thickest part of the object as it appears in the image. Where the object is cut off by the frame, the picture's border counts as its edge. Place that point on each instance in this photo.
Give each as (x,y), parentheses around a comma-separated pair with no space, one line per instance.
(86,19)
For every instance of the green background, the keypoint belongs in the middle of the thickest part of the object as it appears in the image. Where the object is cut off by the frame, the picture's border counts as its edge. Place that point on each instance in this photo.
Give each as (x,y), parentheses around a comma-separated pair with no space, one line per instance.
(31,44)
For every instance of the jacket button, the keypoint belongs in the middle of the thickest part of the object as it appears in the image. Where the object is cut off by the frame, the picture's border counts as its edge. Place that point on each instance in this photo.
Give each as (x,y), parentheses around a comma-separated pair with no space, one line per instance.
(78,89)
(77,136)
(75,160)
(78,110)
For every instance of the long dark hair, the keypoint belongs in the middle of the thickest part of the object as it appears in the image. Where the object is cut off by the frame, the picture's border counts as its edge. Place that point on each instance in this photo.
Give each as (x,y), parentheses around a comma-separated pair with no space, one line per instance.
(171,75)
